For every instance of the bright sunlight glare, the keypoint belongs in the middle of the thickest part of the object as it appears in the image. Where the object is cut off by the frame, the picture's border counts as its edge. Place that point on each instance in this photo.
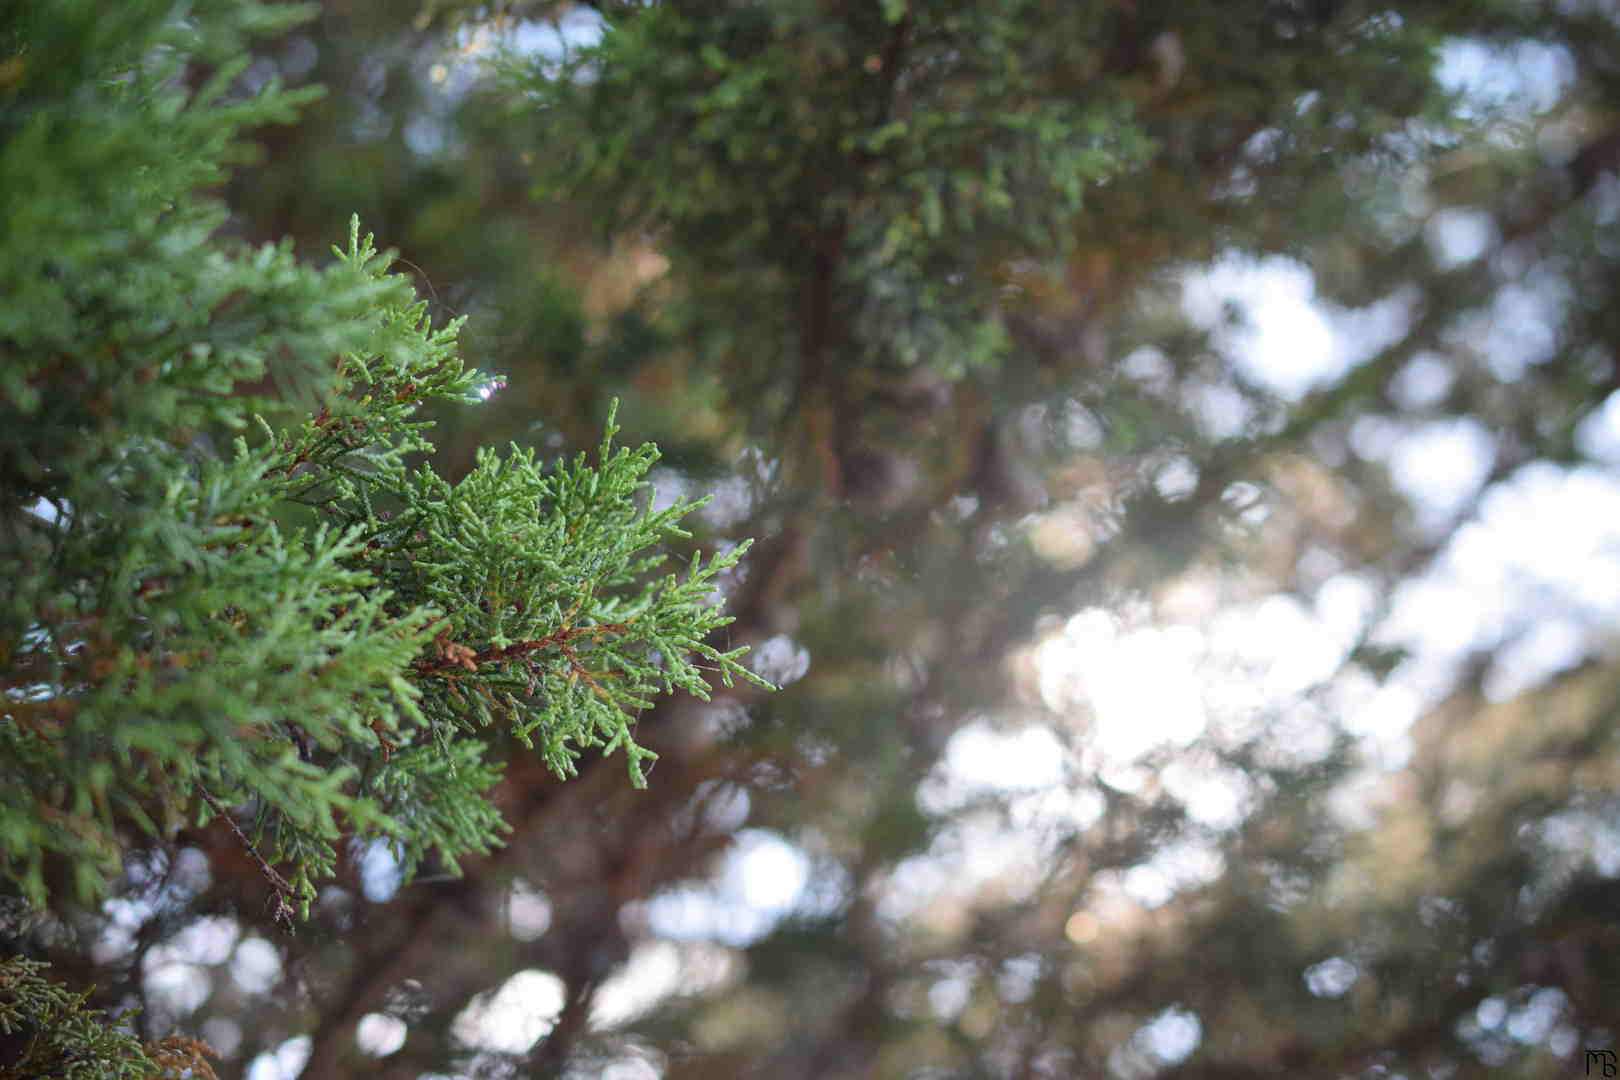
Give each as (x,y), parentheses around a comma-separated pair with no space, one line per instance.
(514,1017)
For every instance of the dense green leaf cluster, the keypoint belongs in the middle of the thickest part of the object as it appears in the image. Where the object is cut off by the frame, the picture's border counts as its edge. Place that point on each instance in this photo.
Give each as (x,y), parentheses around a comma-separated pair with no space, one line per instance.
(47,1030)
(61,1037)
(223,597)
(896,149)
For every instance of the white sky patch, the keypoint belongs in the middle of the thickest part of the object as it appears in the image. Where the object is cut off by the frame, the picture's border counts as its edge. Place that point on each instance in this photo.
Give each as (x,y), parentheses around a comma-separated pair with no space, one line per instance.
(577,28)
(1182,865)
(1284,647)
(379,1034)
(761,880)
(223,1034)
(256,966)
(173,987)
(731,500)
(1599,434)
(1172,1036)
(528,911)
(1529,77)
(947,997)
(1552,645)
(45,509)
(1585,836)
(1519,328)
(631,1069)
(124,917)
(1061,806)
(285,1062)
(1241,671)
(1384,719)
(698,912)
(1331,978)
(1292,349)
(765,872)
(1441,466)
(724,805)
(1459,236)
(1263,314)
(1222,411)
(551,40)
(1142,686)
(1424,381)
(657,970)
(780,659)
(1536,576)
(980,758)
(1437,617)
(974,855)
(1027,768)
(513,1018)
(1214,795)
(209,940)
(380,872)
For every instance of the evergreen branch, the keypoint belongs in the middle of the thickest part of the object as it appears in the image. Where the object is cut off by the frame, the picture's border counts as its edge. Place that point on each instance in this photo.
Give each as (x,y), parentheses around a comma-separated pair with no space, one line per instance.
(283,888)
(452,655)
(61,1037)
(194,602)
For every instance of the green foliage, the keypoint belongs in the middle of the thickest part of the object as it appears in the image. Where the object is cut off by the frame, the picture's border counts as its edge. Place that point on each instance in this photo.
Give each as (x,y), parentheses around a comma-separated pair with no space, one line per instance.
(104,231)
(910,279)
(58,1035)
(310,625)
(900,148)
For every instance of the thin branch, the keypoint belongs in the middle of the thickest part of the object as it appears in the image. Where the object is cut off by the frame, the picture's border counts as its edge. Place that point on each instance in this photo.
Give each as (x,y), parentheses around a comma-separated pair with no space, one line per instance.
(452,655)
(282,887)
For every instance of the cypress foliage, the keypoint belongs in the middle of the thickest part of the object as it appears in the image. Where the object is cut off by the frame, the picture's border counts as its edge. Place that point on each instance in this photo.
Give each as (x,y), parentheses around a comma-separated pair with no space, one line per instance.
(839,263)
(233,591)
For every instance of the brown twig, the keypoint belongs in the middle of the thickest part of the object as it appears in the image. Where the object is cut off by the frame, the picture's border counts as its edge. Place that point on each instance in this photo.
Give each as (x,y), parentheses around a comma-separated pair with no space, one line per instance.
(281,885)
(580,671)
(453,655)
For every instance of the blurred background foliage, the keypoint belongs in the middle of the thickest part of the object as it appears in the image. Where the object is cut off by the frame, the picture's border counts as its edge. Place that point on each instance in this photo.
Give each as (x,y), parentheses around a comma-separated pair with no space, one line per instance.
(1180,441)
